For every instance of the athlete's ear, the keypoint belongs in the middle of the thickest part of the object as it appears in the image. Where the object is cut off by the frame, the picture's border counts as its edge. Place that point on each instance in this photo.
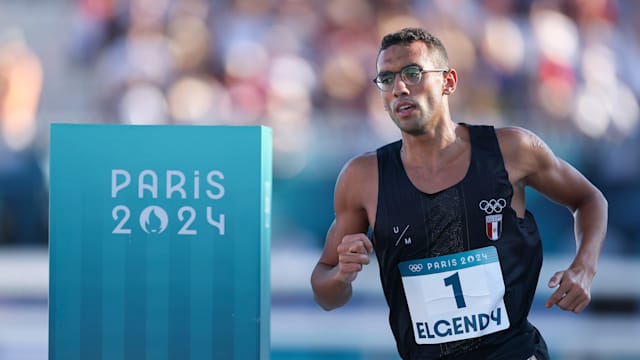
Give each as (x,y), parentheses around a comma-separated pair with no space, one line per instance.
(450,82)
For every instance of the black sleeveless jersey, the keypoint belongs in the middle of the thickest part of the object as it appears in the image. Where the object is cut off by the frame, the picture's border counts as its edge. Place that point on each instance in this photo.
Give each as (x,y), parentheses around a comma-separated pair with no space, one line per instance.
(412,225)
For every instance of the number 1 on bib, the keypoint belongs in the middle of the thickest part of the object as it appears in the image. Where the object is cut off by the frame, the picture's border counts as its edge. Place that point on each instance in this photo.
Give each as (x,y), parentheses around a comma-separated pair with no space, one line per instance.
(454,282)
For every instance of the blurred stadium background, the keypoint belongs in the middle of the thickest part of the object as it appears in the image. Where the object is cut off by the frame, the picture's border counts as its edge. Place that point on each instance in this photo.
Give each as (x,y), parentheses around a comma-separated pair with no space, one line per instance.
(566,69)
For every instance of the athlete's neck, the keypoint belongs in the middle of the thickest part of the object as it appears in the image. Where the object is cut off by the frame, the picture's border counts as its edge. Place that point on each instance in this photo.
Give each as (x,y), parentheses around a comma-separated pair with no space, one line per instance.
(434,148)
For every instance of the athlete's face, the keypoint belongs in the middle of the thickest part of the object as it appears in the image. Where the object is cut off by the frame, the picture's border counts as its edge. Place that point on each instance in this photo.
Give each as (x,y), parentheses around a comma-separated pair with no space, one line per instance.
(415,108)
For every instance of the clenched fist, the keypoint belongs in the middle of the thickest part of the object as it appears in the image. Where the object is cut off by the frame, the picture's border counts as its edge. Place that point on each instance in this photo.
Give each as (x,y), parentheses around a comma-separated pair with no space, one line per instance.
(353,253)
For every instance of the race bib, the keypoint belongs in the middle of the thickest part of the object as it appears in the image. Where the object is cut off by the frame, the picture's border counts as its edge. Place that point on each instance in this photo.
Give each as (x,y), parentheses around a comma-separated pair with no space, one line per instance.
(455,297)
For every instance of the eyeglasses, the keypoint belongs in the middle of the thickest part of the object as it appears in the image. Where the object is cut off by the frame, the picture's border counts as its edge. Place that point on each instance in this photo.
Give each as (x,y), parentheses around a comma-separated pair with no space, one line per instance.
(410,75)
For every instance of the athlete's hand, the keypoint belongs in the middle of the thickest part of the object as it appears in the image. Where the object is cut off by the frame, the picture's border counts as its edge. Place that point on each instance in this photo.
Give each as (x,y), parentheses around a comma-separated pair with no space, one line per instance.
(353,253)
(574,289)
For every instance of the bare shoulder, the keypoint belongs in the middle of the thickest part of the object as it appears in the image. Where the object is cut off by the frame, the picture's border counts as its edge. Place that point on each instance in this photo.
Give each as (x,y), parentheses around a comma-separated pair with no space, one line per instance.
(357,182)
(363,165)
(516,138)
(523,151)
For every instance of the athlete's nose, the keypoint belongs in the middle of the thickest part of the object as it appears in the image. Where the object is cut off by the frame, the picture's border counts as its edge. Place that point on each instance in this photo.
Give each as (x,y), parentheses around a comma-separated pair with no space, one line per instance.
(399,87)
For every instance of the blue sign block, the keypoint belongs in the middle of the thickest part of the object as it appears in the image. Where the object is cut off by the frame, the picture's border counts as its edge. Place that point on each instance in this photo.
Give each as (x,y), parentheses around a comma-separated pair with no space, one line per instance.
(159,242)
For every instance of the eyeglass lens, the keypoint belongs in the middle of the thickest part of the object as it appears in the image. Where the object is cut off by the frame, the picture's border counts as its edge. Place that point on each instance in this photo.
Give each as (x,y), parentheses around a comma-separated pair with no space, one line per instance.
(411,75)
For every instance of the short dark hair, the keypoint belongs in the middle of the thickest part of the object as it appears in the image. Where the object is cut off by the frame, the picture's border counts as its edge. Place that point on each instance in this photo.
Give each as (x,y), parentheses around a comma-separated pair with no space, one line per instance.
(407,36)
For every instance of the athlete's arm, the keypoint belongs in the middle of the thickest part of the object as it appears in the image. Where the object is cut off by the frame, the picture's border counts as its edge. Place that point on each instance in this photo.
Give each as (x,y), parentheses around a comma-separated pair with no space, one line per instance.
(562,183)
(347,247)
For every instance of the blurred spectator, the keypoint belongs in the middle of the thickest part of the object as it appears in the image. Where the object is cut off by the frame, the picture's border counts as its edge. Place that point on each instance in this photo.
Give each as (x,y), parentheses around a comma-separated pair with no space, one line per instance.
(23,210)
(564,68)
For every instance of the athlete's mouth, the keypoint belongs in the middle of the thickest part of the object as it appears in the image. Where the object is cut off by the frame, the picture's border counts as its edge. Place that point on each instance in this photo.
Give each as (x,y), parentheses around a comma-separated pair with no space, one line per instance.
(404,108)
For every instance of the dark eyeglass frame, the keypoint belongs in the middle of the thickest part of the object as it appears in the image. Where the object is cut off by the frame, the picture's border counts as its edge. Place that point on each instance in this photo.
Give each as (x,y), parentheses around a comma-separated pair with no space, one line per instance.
(403,75)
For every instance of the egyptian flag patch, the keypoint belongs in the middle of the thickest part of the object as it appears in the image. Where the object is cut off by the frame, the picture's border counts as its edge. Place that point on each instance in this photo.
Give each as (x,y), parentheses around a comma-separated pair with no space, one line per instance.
(493,226)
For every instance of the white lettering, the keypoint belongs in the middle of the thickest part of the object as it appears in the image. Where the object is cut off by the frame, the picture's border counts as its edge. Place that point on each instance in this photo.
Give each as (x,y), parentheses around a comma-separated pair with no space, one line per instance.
(215,184)
(115,186)
(217,224)
(152,187)
(175,182)
(120,229)
(185,230)
(171,187)
(196,184)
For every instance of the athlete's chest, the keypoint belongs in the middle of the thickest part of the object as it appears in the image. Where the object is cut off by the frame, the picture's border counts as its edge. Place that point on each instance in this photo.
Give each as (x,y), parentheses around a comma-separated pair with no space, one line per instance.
(414,224)
(433,179)
(463,216)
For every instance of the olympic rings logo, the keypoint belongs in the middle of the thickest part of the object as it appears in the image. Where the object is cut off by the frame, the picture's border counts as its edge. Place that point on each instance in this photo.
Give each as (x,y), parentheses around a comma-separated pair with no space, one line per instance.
(493,205)
(415,267)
